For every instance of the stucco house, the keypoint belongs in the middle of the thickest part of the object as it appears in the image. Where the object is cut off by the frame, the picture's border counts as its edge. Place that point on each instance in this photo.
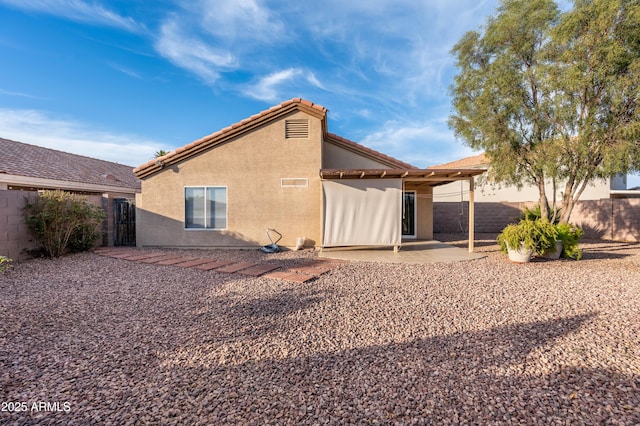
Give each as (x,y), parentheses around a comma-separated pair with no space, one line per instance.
(281,169)
(606,209)
(26,169)
(489,192)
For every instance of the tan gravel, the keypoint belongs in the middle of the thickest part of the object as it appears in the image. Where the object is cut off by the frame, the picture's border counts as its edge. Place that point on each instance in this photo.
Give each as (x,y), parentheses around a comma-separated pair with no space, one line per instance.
(109,341)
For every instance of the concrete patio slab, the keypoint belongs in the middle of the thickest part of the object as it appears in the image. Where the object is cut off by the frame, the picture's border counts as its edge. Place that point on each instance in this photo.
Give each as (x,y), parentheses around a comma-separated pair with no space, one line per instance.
(410,252)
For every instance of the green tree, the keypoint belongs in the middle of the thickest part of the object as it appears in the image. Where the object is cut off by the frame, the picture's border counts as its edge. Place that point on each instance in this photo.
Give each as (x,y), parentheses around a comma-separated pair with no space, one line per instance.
(160,153)
(551,96)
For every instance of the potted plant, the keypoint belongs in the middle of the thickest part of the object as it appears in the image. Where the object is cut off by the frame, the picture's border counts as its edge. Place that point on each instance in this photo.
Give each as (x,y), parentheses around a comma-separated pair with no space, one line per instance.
(570,235)
(521,240)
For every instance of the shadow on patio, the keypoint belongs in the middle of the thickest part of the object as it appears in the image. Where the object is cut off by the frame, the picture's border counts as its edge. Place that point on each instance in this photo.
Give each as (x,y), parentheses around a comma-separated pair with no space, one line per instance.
(410,252)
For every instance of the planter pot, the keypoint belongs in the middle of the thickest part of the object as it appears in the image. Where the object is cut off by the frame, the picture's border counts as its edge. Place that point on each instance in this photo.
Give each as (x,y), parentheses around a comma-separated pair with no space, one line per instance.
(555,254)
(520,255)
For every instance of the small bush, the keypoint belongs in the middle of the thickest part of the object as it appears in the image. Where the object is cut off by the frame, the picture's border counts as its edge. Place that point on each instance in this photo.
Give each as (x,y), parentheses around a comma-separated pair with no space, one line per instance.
(538,235)
(570,236)
(5,263)
(535,213)
(62,221)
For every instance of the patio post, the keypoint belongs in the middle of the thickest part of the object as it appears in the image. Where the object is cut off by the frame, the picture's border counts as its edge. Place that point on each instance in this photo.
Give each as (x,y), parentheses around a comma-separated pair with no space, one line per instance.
(471,215)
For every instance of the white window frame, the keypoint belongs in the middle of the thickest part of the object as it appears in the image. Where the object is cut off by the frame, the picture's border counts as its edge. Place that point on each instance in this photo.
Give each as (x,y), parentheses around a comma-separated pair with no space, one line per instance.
(226,207)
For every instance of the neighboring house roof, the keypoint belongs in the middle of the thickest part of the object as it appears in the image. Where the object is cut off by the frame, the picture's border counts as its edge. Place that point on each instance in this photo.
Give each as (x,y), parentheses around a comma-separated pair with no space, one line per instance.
(480,161)
(22,164)
(250,123)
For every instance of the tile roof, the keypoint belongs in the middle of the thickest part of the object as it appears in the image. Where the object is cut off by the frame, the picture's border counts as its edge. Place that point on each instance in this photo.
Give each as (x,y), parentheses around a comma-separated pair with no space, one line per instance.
(21,159)
(249,123)
(369,152)
(225,134)
(480,161)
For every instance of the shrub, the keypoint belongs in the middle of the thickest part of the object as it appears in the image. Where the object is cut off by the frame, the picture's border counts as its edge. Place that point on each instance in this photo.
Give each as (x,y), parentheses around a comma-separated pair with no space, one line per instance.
(570,235)
(538,235)
(5,263)
(535,213)
(61,221)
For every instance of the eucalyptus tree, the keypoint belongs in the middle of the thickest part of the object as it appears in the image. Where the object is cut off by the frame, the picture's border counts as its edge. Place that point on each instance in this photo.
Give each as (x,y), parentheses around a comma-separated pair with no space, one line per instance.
(551,96)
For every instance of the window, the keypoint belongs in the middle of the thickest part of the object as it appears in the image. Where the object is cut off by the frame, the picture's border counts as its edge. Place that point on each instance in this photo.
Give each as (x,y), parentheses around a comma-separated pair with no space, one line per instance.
(205,207)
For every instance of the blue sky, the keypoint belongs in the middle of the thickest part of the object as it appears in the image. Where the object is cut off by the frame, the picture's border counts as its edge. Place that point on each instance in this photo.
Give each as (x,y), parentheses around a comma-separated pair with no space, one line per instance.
(121,79)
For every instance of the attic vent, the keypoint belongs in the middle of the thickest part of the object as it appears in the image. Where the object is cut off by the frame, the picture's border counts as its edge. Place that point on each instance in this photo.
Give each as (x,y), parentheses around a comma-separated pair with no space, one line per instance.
(297,128)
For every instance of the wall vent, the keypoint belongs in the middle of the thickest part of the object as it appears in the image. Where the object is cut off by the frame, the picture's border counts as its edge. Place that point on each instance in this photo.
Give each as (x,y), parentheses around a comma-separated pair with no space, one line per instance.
(297,128)
(294,182)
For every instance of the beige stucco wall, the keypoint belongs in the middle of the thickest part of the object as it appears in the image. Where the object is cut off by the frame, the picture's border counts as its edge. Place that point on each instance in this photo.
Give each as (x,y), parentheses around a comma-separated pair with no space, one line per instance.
(335,157)
(492,193)
(424,210)
(251,167)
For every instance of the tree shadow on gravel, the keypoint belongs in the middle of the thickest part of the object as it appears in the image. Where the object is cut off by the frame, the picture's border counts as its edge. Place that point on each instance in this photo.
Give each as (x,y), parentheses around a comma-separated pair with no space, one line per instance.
(483,377)
(478,377)
(279,305)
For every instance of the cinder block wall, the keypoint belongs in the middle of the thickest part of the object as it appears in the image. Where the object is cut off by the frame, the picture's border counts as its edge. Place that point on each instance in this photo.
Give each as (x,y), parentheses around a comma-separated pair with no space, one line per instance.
(15,238)
(610,219)
(14,235)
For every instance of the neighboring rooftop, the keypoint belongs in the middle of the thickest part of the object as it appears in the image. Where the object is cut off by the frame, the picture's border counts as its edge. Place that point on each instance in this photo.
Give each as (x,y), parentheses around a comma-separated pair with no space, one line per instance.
(480,161)
(21,160)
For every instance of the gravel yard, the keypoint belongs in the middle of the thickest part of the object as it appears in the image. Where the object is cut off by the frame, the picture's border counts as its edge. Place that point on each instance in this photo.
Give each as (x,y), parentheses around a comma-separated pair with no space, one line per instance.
(109,341)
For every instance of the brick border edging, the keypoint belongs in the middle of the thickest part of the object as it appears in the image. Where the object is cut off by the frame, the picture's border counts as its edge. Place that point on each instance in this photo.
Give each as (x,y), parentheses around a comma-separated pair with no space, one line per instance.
(299,274)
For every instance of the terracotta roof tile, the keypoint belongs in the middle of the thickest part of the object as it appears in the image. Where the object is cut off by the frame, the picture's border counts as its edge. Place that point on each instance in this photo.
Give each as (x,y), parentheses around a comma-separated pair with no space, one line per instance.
(480,161)
(22,159)
(150,166)
(141,170)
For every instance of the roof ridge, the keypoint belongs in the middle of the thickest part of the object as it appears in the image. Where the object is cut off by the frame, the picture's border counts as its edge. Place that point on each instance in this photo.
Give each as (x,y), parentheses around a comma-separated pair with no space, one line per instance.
(477,160)
(371,151)
(229,129)
(65,152)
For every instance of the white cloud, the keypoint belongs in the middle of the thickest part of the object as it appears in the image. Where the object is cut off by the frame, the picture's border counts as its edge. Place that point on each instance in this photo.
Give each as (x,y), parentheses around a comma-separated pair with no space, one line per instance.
(18,94)
(77,10)
(239,20)
(268,88)
(192,53)
(421,144)
(40,128)
(125,70)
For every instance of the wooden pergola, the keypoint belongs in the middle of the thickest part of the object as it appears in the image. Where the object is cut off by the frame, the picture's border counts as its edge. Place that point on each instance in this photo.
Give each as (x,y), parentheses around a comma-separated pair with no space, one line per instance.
(429,177)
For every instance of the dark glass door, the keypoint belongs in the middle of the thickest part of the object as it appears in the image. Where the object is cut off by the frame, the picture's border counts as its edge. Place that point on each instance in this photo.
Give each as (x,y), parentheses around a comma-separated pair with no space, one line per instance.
(409,214)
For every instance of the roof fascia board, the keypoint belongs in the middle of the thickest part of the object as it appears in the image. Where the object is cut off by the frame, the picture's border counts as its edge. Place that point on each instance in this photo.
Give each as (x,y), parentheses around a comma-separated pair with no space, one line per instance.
(62,184)
(227,134)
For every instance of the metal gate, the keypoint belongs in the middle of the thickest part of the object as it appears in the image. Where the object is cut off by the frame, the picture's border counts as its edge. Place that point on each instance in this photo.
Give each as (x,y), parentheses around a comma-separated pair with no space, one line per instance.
(124,222)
